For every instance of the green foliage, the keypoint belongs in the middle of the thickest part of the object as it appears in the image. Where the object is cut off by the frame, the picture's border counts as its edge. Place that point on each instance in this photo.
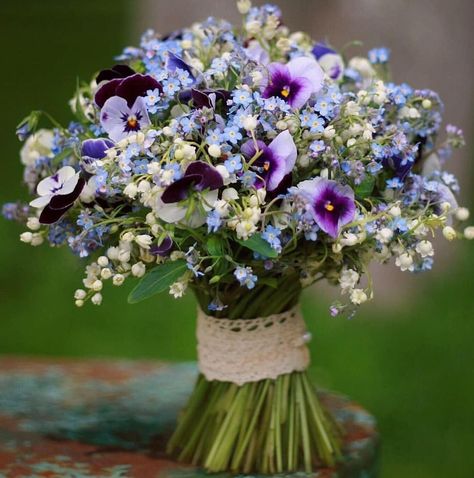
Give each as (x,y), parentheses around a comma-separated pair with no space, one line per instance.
(257,244)
(157,280)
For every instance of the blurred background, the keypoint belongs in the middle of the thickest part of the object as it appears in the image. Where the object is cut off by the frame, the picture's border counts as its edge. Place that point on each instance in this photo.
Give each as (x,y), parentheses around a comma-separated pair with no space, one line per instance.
(408,356)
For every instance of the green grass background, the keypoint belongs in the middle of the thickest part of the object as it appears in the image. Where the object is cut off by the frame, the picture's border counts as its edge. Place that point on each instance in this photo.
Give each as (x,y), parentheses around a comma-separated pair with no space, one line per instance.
(412,365)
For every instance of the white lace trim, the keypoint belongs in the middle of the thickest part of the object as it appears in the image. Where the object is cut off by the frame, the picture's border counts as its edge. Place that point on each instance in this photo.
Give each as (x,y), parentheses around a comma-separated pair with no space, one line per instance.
(250,350)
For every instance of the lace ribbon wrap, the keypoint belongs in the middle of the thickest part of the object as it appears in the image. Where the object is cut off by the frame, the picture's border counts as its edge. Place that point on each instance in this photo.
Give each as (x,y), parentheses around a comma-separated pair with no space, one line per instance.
(250,350)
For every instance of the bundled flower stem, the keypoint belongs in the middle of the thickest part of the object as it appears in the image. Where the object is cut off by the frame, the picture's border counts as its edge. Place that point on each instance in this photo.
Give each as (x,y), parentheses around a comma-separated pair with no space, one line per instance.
(267,426)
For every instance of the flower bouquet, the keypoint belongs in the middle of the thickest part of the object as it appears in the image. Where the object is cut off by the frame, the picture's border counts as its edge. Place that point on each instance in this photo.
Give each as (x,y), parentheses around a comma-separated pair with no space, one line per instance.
(244,164)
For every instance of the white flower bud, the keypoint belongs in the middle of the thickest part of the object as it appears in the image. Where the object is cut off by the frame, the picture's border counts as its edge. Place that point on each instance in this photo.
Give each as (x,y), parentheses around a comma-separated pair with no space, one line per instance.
(395,211)
(469,232)
(336,248)
(113,253)
(214,151)
(425,248)
(281,125)
(80,294)
(243,6)
(358,296)
(96,299)
(97,285)
(131,190)
(105,273)
(462,213)
(329,132)
(79,303)
(249,123)
(128,237)
(445,206)
(123,255)
(426,103)
(103,261)
(385,235)
(144,240)
(230,194)
(404,261)
(26,237)
(349,239)
(138,269)
(351,142)
(449,233)
(37,239)
(118,279)
(33,223)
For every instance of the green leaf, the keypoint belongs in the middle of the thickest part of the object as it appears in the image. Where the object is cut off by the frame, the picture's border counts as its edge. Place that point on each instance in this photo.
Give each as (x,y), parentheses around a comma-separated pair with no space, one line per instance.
(215,246)
(157,280)
(270,281)
(257,244)
(365,188)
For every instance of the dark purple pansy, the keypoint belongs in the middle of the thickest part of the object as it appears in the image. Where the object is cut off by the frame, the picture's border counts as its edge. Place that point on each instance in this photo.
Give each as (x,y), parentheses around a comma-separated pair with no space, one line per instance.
(163,249)
(175,62)
(331,62)
(207,98)
(93,150)
(401,166)
(197,177)
(274,162)
(128,88)
(117,71)
(330,203)
(294,82)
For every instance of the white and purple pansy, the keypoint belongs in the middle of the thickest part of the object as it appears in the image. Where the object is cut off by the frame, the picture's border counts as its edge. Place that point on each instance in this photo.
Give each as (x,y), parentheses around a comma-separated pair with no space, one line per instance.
(120,120)
(163,248)
(199,176)
(57,194)
(331,204)
(331,62)
(93,150)
(295,81)
(273,162)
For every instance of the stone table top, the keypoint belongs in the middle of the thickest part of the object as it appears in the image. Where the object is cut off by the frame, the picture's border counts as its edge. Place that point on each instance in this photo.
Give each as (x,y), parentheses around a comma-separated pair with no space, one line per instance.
(111,418)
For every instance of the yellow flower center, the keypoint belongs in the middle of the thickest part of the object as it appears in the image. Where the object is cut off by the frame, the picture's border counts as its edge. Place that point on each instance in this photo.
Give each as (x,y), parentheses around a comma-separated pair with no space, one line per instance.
(132,122)
(285,92)
(266,165)
(329,206)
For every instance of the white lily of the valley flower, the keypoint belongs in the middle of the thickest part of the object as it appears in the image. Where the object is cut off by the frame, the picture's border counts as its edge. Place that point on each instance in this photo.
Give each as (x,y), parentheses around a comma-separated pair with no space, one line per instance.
(36,146)
(425,248)
(61,183)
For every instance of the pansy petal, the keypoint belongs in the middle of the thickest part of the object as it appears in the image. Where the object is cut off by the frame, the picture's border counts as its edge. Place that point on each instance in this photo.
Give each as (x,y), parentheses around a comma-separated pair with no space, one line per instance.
(306,67)
(171,213)
(136,85)
(140,111)
(47,186)
(249,148)
(179,190)
(284,146)
(96,148)
(321,49)
(117,71)
(61,201)
(333,65)
(210,176)
(50,216)
(301,92)
(163,249)
(40,202)
(106,91)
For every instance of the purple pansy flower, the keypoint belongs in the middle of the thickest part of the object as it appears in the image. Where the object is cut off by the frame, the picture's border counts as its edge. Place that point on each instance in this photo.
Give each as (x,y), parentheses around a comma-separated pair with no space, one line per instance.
(163,248)
(331,204)
(199,176)
(206,98)
(175,62)
(294,82)
(93,150)
(129,87)
(331,62)
(119,120)
(57,194)
(274,162)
